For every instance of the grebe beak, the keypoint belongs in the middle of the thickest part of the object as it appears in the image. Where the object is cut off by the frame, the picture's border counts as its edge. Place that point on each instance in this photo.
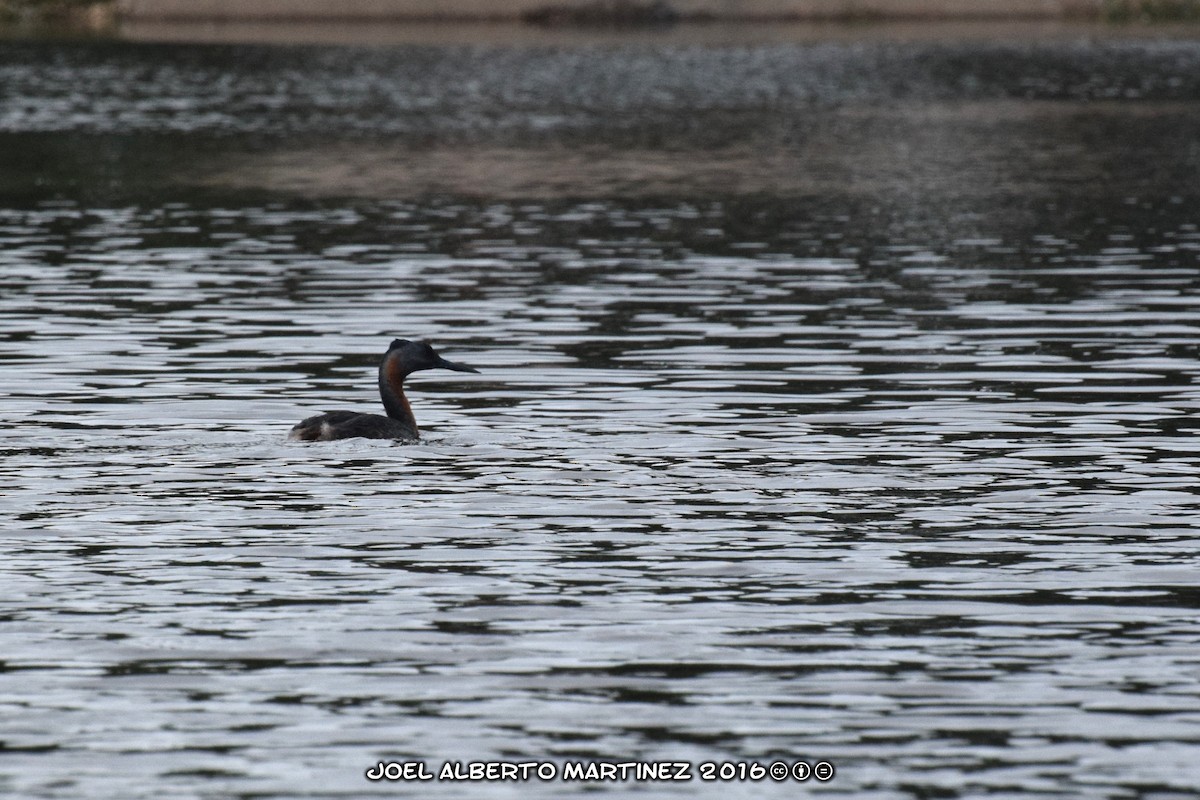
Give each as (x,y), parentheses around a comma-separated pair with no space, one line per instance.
(444,364)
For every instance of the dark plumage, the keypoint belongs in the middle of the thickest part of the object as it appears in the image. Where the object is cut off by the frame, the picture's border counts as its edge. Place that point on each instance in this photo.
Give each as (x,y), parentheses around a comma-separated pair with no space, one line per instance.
(401,360)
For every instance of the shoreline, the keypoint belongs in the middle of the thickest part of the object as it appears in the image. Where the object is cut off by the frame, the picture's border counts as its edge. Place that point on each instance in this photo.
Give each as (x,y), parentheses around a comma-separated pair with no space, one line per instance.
(715,33)
(625,13)
(566,22)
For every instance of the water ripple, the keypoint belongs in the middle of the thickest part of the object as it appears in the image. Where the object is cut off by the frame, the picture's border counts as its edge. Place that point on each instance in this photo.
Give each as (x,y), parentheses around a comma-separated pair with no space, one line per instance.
(739,478)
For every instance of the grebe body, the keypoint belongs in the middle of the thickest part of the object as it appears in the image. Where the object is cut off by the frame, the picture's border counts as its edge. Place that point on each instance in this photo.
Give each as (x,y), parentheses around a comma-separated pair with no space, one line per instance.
(401,360)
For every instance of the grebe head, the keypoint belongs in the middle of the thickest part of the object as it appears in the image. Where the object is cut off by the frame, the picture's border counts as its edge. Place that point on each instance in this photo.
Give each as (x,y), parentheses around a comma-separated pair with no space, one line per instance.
(413,356)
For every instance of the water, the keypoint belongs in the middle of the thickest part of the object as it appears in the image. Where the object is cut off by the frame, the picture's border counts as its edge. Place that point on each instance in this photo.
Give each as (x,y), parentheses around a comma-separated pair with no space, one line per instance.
(851,419)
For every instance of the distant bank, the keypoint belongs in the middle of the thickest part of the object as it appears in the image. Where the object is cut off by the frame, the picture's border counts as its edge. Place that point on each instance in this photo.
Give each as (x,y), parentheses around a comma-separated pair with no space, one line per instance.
(568,21)
(642,11)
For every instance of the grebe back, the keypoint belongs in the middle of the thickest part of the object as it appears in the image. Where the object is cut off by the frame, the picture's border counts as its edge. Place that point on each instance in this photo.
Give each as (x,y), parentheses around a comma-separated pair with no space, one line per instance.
(401,360)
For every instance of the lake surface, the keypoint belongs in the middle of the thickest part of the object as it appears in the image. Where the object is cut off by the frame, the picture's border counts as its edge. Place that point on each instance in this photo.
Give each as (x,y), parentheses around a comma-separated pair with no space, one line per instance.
(837,404)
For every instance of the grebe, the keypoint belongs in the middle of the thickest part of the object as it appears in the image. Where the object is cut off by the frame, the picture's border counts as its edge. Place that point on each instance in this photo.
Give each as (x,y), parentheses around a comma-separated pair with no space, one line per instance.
(401,360)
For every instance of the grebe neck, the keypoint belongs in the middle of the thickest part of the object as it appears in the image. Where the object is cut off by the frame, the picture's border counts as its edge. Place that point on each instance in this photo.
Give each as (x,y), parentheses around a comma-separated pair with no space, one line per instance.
(391,390)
